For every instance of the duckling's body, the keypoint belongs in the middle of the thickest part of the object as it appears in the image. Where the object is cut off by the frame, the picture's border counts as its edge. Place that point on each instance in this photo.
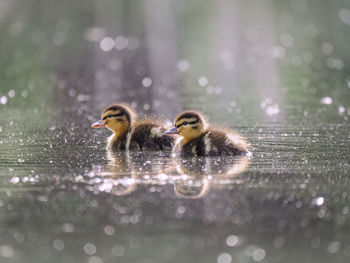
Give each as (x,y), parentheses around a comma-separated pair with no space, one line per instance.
(130,133)
(199,139)
(145,135)
(212,143)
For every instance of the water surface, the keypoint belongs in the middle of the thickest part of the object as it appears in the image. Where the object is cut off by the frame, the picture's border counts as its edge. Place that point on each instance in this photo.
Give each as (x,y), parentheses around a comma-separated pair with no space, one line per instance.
(276,72)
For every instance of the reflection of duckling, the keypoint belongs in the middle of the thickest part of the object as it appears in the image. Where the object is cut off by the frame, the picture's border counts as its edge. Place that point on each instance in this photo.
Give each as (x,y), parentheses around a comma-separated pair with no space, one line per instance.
(130,133)
(206,173)
(216,168)
(191,191)
(117,177)
(201,140)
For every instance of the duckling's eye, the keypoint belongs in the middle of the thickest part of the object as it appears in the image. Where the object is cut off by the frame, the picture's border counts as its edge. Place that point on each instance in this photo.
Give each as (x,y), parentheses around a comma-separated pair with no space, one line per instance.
(119,119)
(186,122)
(112,115)
(108,116)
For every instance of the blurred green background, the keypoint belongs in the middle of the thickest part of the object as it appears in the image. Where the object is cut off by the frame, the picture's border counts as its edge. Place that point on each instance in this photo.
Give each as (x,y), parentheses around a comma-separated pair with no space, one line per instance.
(277,71)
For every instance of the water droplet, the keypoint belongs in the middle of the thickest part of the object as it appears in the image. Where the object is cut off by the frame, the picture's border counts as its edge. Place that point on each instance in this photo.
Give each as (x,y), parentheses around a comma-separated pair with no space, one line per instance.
(162,176)
(181,210)
(278,242)
(14,180)
(327,48)
(315,242)
(59,38)
(72,92)
(224,258)
(203,81)
(272,110)
(94,34)
(232,241)
(12,93)
(335,63)
(183,65)
(341,110)
(90,249)
(218,90)
(334,247)
(146,82)
(286,39)
(3,100)
(226,57)
(318,201)
(233,104)
(277,52)
(326,100)
(107,44)
(258,254)
(6,251)
(109,230)
(121,42)
(68,228)
(42,198)
(83,97)
(118,250)
(58,244)
(24,93)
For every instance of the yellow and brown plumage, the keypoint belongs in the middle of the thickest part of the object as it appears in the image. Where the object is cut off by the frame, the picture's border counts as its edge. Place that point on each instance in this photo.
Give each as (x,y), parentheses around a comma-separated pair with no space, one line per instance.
(129,133)
(200,139)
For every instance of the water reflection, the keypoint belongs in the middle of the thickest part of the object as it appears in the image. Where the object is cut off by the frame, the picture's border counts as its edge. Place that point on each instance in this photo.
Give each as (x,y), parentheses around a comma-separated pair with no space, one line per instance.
(205,173)
(116,178)
(191,177)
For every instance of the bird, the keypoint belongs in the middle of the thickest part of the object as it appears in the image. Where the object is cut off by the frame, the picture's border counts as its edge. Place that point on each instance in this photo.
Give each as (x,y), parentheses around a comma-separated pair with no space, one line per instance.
(198,138)
(131,133)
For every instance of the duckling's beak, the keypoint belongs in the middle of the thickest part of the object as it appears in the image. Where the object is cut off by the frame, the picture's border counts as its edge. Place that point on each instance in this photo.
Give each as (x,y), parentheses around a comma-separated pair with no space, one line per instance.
(98,124)
(172,131)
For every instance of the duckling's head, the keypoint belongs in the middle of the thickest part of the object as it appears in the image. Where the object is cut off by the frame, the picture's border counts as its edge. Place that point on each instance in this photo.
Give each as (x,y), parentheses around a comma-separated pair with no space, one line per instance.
(189,124)
(117,117)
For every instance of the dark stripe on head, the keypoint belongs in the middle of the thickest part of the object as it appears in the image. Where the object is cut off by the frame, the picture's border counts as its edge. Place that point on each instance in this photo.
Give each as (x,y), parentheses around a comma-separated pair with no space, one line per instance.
(187,122)
(189,115)
(124,111)
(112,107)
(113,115)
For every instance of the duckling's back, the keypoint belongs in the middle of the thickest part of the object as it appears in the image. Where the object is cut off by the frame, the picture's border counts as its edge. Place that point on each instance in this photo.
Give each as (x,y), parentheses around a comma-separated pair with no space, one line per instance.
(226,142)
(148,135)
(214,142)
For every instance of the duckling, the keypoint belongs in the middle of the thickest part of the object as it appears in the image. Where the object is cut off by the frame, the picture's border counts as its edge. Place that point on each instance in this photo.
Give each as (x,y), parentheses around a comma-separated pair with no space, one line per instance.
(200,139)
(129,133)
